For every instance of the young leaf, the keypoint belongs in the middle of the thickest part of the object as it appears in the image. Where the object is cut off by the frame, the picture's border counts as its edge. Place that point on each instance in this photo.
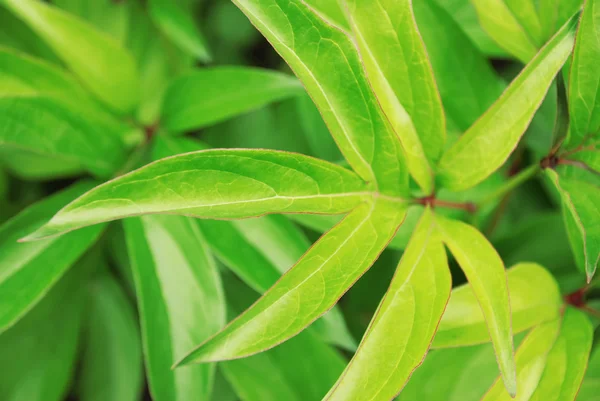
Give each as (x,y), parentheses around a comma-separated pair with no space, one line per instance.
(112,358)
(217,183)
(210,95)
(310,288)
(531,359)
(534,298)
(399,71)
(584,82)
(491,140)
(567,361)
(98,60)
(180,300)
(178,24)
(401,331)
(25,274)
(345,99)
(485,271)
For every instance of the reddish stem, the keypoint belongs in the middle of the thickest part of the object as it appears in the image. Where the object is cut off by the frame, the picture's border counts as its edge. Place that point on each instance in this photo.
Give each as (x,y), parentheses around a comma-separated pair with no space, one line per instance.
(431,201)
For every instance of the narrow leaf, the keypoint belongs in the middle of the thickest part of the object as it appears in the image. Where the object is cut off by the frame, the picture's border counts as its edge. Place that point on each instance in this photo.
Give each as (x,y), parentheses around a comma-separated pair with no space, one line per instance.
(534,298)
(491,140)
(310,288)
(25,272)
(180,300)
(217,184)
(485,271)
(211,95)
(98,60)
(345,99)
(401,331)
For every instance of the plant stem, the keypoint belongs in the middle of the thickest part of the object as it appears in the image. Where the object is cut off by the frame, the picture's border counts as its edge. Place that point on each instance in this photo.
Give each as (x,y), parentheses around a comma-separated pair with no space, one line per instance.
(510,185)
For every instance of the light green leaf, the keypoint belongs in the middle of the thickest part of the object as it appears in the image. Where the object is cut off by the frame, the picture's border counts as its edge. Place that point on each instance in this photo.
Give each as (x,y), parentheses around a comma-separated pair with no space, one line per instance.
(111,366)
(109,16)
(25,272)
(217,183)
(310,288)
(567,361)
(554,13)
(531,359)
(485,271)
(490,141)
(210,95)
(345,99)
(590,388)
(584,82)
(534,298)
(468,85)
(399,71)
(42,126)
(34,167)
(180,300)
(179,25)
(98,60)
(404,325)
(330,11)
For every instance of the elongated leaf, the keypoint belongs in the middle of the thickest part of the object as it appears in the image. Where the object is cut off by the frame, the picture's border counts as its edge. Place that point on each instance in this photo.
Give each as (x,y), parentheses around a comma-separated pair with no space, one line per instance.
(399,71)
(217,184)
(531,359)
(29,271)
(485,271)
(310,288)
(331,11)
(109,16)
(554,13)
(104,67)
(345,98)
(468,85)
(180,301)
(534,298)
(112,361)
(178,24)
(490,141)
(567,361)
(401,331)
(584,82)
(211,95)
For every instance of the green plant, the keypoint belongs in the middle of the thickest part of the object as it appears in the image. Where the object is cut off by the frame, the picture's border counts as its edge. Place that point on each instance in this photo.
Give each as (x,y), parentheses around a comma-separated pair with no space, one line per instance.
(435,143)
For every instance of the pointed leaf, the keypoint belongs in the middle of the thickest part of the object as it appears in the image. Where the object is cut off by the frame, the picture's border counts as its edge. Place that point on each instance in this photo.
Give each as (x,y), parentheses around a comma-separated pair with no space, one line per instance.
(180,300)
(402,329)
(485,271)
(217,183)
(345,99)
(534,298)
(112,358)
(211,95)
(29,271)
(491,140)
(554,13)
(310,288)
(100,62)
(399,71)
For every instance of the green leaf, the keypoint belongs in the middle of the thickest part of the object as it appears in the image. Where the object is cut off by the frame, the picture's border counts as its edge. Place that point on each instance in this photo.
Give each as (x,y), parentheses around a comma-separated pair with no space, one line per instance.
(534,298)
(554,13)
(112,357)
(42,126)
(109,16)
(531,359)
(331,11)
(211,95)
(179,25)
(180,300)
(584,82)
(404,325)
(467,82)
(397,66)
(491,140)
(217,183)
(567,361)
(582,213)
(345,99)
(25,272)
(39,354)
(590,388)
(310,288)
(98,60)
(485,271)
